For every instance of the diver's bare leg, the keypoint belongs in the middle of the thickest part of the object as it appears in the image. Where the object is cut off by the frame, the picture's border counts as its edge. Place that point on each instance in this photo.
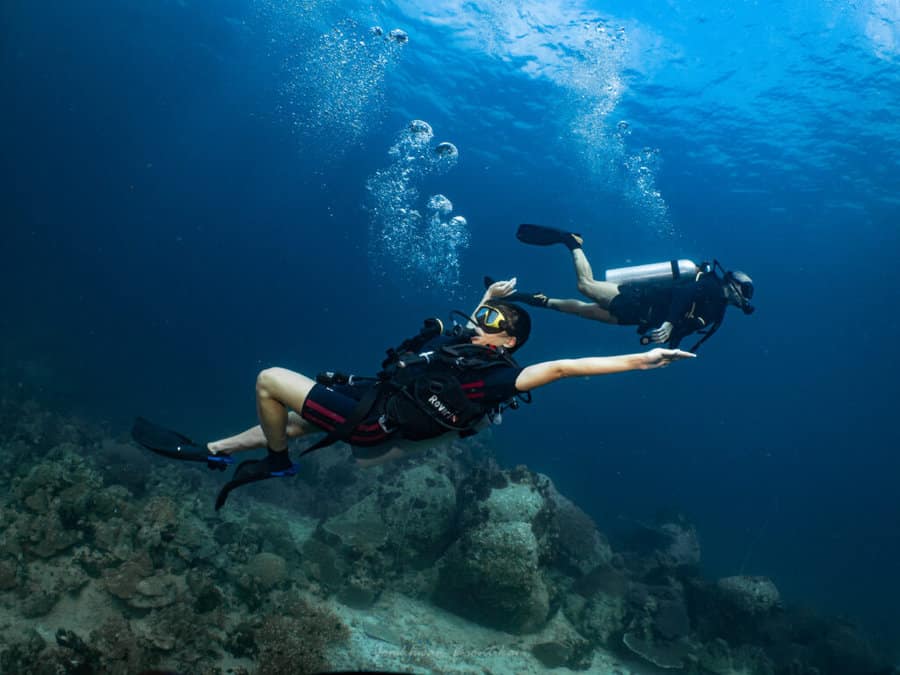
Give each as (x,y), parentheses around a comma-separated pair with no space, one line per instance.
(277,389)
(254,438)
(586,310)
(601,292)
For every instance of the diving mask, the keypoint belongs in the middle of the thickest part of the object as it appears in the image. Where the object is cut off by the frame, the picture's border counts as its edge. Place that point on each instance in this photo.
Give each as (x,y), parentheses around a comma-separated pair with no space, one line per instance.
(490,319)
(742,285)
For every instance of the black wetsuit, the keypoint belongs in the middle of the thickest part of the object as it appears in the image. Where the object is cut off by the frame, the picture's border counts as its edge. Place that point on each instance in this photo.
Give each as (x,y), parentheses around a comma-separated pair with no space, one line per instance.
(327,406)
(689,307)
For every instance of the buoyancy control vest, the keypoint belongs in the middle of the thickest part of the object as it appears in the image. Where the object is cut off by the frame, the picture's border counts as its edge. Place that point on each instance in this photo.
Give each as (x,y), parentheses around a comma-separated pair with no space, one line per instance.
(432,392)
(428,392)
(422,390)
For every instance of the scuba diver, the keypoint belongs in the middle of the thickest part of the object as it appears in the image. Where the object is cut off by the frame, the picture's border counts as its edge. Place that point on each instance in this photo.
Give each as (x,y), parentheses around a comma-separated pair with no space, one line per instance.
(666,301)
(434,383)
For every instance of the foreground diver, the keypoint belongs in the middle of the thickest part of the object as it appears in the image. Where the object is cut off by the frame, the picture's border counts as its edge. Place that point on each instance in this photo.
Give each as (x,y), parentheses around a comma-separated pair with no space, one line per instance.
(434,383)
(667,301)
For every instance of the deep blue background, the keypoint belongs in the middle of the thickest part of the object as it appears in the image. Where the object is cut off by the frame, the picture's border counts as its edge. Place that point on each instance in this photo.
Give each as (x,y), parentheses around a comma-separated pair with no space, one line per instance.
(168,230)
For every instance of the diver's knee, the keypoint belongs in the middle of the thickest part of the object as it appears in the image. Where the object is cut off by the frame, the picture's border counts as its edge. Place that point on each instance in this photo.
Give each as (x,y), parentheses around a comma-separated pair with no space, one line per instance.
(587,288)
(267,381)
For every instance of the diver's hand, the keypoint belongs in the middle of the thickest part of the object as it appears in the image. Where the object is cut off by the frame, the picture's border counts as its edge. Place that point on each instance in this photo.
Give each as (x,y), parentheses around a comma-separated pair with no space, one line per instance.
(661,334)
(660,358)
(500,289)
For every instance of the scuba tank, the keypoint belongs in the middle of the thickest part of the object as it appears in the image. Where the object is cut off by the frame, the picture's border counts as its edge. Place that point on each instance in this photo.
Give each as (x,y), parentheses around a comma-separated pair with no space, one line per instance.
(670,271)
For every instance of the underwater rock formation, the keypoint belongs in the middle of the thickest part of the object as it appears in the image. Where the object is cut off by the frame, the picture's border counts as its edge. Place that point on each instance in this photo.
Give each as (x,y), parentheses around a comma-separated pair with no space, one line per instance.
(493,573)
(581,547)
(404,521)
(669,545)
(419,507)
(752,596)
(598,610)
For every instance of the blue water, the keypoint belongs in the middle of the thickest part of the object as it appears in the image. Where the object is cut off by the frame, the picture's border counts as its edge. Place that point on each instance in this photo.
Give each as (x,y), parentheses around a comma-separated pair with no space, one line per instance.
(185,201)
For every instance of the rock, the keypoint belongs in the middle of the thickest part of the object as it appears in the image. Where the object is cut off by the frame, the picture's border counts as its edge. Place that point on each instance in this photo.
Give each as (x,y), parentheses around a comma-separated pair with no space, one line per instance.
(20,656)
(359,530)
(116,537)
(124,464)
(671,619)
(207,595)
(159,521)
(597,618)
(160,590)
(552,654)
(597,605)
(671,545)
(749,595)
(715,656)
(493,572)
(118,646)
(662,654)
(517,502)
(385,633)
(581,547)
(360,590)
(604,579)
(9,577)
(38,602)
(560,645)
(321,562)
(122,581)
(267,570)
(418,508)
(49,537)
(683,546)
(491,575)
(92,561)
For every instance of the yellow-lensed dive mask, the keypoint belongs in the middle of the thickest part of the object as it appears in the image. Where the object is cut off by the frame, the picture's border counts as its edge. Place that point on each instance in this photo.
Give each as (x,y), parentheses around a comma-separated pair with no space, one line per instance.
(490,319)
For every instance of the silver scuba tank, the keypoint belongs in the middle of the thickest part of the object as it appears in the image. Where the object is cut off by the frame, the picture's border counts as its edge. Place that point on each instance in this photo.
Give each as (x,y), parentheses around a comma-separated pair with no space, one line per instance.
(673,270)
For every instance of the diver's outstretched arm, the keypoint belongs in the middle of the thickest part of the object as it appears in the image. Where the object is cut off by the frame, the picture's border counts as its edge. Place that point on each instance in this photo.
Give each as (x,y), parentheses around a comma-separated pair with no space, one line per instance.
(539,374)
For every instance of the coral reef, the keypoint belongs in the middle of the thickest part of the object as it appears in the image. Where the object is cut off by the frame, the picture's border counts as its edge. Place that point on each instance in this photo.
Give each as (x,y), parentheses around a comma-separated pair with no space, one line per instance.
(109,563)
(296,640)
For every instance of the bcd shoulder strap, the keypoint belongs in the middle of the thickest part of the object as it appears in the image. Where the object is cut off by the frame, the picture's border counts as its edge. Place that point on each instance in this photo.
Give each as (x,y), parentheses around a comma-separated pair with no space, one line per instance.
(706,335)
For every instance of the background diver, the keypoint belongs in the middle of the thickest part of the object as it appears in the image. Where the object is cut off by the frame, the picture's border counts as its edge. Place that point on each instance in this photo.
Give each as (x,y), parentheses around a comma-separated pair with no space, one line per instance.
(666,301)
(435,383)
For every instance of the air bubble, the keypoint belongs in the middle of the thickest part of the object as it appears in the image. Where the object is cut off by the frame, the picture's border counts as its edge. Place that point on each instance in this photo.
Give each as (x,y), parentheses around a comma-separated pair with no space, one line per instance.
(398,36)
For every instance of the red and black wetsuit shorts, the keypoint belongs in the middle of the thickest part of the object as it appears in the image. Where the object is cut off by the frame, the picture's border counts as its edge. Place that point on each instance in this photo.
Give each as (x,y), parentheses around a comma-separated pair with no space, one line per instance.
(327,406)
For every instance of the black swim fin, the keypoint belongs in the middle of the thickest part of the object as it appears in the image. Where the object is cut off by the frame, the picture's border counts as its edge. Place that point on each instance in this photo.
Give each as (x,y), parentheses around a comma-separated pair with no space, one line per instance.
(173,445)
(540,235)
(253,470)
